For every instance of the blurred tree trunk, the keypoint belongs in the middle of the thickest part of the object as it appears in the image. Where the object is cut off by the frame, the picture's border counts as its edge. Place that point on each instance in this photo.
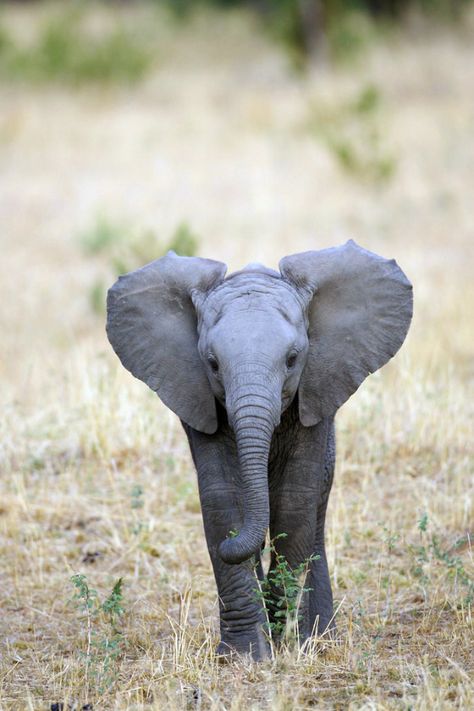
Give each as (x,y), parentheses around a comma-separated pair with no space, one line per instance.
(387,8)
(311,18)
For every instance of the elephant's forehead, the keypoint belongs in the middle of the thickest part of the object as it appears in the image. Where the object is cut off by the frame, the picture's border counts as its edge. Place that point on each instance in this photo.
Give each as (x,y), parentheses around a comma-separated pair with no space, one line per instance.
(244,292)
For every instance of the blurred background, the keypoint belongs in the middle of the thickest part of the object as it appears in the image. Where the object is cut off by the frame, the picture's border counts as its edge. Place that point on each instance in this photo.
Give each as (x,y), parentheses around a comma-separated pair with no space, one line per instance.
(236,130)
(239,131)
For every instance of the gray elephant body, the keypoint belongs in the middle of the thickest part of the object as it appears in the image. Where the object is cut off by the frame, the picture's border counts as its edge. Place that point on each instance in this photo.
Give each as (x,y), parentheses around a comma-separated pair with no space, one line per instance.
(256,366)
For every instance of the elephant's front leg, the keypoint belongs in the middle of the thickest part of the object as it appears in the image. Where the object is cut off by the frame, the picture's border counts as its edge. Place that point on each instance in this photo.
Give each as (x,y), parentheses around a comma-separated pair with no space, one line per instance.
(298,499)
(243,620)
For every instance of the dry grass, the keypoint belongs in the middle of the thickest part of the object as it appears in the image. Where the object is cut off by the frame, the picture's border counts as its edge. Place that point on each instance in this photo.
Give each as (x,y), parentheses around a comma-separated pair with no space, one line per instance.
(217,137)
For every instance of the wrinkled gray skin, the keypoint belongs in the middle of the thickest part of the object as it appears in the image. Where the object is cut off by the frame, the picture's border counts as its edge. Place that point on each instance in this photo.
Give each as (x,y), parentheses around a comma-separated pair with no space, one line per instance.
(256,365)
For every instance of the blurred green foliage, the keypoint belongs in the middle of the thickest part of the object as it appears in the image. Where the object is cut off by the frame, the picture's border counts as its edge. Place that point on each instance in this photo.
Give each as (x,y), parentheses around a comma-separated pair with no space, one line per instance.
(329,8)
(122,249)
(63,50)
(352,131)
(344,26)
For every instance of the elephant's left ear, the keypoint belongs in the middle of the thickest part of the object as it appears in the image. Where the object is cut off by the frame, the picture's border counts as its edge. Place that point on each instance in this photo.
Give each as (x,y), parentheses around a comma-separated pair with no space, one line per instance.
(360,308)
(152,326)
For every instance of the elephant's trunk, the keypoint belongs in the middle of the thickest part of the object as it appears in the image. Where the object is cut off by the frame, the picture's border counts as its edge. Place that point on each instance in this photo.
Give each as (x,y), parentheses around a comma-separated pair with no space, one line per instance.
(253,414)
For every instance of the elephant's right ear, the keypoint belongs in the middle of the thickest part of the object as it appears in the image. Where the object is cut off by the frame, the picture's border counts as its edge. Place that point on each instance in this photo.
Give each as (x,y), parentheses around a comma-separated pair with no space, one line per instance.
(152,326)
(359,310)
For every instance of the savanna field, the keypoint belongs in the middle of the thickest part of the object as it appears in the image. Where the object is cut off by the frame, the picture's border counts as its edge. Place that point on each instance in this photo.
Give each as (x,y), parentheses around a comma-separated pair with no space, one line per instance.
(224,149)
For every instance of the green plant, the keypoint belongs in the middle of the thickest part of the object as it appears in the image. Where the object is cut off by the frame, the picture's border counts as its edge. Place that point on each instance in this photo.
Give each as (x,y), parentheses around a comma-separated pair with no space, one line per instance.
(367,101)
(104,641)
(64,51)
(139,527)
(431,551)
(184,241)
(123,249)
(282,591)
(352,132)
(350,32)
(423,523)
(136,496)
(390,539)
(102,236)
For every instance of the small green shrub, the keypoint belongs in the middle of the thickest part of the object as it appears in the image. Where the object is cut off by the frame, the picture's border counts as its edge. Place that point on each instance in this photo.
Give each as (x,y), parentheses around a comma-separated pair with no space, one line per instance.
(430,552)
(63,51)
(122,249)
(352,132)
(367,101)
(281,592)
(136,496)
(184,241)
(101,236)
(104,641)
(350,33)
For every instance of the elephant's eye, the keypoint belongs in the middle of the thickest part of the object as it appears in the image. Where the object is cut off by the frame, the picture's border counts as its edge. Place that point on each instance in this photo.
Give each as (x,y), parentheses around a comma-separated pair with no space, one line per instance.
(214,365)
(291,360)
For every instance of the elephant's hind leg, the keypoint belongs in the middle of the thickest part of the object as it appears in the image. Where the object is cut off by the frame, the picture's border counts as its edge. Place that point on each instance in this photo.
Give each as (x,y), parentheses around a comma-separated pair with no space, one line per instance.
(298,500)
(321,614)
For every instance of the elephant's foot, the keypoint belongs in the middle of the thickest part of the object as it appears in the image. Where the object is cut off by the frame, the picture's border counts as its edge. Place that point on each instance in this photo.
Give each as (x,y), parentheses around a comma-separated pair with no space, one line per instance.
(242,645)
(224,653)
(323,637)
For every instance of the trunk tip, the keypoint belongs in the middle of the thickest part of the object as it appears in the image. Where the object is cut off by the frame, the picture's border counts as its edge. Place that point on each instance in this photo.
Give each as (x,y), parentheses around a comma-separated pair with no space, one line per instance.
(232,552)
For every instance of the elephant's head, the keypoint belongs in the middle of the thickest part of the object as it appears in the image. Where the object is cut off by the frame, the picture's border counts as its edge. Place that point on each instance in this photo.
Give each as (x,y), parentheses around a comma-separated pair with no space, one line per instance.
(253,340)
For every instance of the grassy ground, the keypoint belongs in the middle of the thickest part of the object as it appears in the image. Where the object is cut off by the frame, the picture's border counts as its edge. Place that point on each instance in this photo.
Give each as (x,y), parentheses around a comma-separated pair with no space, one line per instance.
(95,474)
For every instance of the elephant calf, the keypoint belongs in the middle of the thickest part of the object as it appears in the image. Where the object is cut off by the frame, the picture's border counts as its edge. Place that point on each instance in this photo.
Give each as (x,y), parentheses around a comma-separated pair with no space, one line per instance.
(256,366)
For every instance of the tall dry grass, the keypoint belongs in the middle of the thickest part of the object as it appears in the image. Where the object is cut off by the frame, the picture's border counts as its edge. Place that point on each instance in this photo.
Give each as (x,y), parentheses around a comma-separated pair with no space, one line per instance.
(95,473)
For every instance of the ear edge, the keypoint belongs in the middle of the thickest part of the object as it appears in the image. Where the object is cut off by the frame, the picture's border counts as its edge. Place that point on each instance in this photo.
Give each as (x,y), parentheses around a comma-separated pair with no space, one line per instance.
(307,418)
(208,425)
